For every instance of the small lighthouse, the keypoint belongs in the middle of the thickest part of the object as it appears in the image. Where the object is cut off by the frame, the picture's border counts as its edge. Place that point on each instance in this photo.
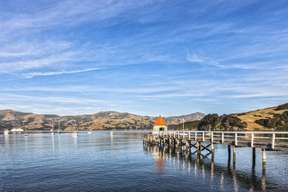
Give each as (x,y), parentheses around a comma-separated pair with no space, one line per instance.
(160,125)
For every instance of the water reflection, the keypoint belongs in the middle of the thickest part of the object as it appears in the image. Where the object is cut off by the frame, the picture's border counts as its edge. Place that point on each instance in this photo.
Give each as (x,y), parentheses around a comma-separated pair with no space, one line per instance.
(207,169)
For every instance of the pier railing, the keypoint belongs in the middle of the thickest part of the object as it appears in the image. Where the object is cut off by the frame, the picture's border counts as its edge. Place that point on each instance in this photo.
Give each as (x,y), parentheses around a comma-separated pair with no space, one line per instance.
(268,139)
(202,143)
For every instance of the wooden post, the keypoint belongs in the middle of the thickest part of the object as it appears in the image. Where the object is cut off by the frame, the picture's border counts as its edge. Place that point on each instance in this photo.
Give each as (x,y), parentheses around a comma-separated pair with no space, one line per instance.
(236,139)
(229,154)
(222,138)
(264,158)
(213,155)
(195,135)
(203,136)
(199,149)
(252,140)
(212,140)
(273,141)
(189,147)
(253,157)
(234,157)
(263,179)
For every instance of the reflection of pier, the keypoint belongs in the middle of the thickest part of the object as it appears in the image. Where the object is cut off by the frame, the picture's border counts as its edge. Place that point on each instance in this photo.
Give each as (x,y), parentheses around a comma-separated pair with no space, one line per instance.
(201,143)
(207,168)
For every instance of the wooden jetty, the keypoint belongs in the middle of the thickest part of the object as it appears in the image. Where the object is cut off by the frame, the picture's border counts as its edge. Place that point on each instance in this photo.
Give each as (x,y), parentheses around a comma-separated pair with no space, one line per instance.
(208,169)
(201,143)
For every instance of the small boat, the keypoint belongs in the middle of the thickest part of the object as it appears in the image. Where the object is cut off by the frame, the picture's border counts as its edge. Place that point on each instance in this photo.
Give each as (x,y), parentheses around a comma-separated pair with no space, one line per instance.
(17,130)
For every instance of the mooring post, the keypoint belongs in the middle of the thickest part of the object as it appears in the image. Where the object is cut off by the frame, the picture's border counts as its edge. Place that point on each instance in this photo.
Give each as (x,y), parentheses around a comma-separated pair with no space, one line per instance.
(229,154)
(253,157)
(264,157)
(189,147)
(273,141)
(203,136)
(252,140)
(263,178)
(212,140)
(212,156)
(234,157)
(199,149)
(236,139)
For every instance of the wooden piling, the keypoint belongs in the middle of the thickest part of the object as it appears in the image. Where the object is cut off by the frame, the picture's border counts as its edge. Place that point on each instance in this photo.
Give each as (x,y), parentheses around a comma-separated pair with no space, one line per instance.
(234,157)
(202,143)
(212,141)
(253,157)
(229,154)
(264,160)
(199,149)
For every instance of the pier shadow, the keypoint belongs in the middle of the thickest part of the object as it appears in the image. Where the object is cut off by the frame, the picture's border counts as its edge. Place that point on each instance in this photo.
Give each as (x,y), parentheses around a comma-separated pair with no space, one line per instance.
(207,168)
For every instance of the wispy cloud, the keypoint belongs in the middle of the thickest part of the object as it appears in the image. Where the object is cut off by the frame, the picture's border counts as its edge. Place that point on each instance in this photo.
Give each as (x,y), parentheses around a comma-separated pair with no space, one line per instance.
(71,12)
(204,60)
(41,74)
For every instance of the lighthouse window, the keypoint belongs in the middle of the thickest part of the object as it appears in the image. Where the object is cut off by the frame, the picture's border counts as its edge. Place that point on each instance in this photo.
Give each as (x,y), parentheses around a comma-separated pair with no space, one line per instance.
(161,129)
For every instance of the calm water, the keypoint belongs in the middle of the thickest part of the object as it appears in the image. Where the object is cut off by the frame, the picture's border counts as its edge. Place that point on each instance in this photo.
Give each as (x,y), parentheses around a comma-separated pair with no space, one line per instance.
(102,161)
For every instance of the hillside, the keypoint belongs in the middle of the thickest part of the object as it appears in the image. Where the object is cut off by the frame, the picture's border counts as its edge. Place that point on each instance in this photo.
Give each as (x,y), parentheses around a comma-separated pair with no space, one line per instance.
(174,120)
(272,118)
(267,119)
(98,121)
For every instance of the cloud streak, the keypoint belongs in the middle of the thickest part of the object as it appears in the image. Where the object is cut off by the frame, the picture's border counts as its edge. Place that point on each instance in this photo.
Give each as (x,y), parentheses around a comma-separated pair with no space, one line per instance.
(57,73)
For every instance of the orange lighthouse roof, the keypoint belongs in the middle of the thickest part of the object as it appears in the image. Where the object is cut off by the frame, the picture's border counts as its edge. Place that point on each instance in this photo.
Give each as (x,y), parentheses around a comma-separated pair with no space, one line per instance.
(159,121)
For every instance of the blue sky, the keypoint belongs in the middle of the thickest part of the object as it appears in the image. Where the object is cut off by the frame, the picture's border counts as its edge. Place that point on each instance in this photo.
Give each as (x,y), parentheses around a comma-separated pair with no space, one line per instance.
(147,57)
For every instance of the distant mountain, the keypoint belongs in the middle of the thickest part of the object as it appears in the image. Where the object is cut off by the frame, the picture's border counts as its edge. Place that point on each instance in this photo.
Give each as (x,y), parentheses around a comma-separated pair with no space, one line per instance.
(272,118)
(10,119)
(101,120)
(174,120)
(106,120)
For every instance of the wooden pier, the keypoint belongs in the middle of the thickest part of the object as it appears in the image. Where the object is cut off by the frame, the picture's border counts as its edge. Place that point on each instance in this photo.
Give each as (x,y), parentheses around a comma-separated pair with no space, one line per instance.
(201,143)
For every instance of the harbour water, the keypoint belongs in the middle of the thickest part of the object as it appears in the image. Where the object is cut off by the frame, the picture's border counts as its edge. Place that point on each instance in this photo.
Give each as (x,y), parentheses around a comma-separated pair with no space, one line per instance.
(104,161)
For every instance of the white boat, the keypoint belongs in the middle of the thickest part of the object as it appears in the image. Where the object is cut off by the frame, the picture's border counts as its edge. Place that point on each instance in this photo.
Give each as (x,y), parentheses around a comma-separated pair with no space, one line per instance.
(17,130)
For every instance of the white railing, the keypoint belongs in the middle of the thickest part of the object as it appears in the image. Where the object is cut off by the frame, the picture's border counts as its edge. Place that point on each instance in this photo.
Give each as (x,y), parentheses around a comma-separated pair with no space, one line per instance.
(252,138)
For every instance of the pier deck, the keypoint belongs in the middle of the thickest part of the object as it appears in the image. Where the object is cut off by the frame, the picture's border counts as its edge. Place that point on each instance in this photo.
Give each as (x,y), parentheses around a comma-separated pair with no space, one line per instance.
(201,143)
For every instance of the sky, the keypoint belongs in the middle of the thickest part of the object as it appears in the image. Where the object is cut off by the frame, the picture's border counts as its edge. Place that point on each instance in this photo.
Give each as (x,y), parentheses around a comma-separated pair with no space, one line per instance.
(147,57)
